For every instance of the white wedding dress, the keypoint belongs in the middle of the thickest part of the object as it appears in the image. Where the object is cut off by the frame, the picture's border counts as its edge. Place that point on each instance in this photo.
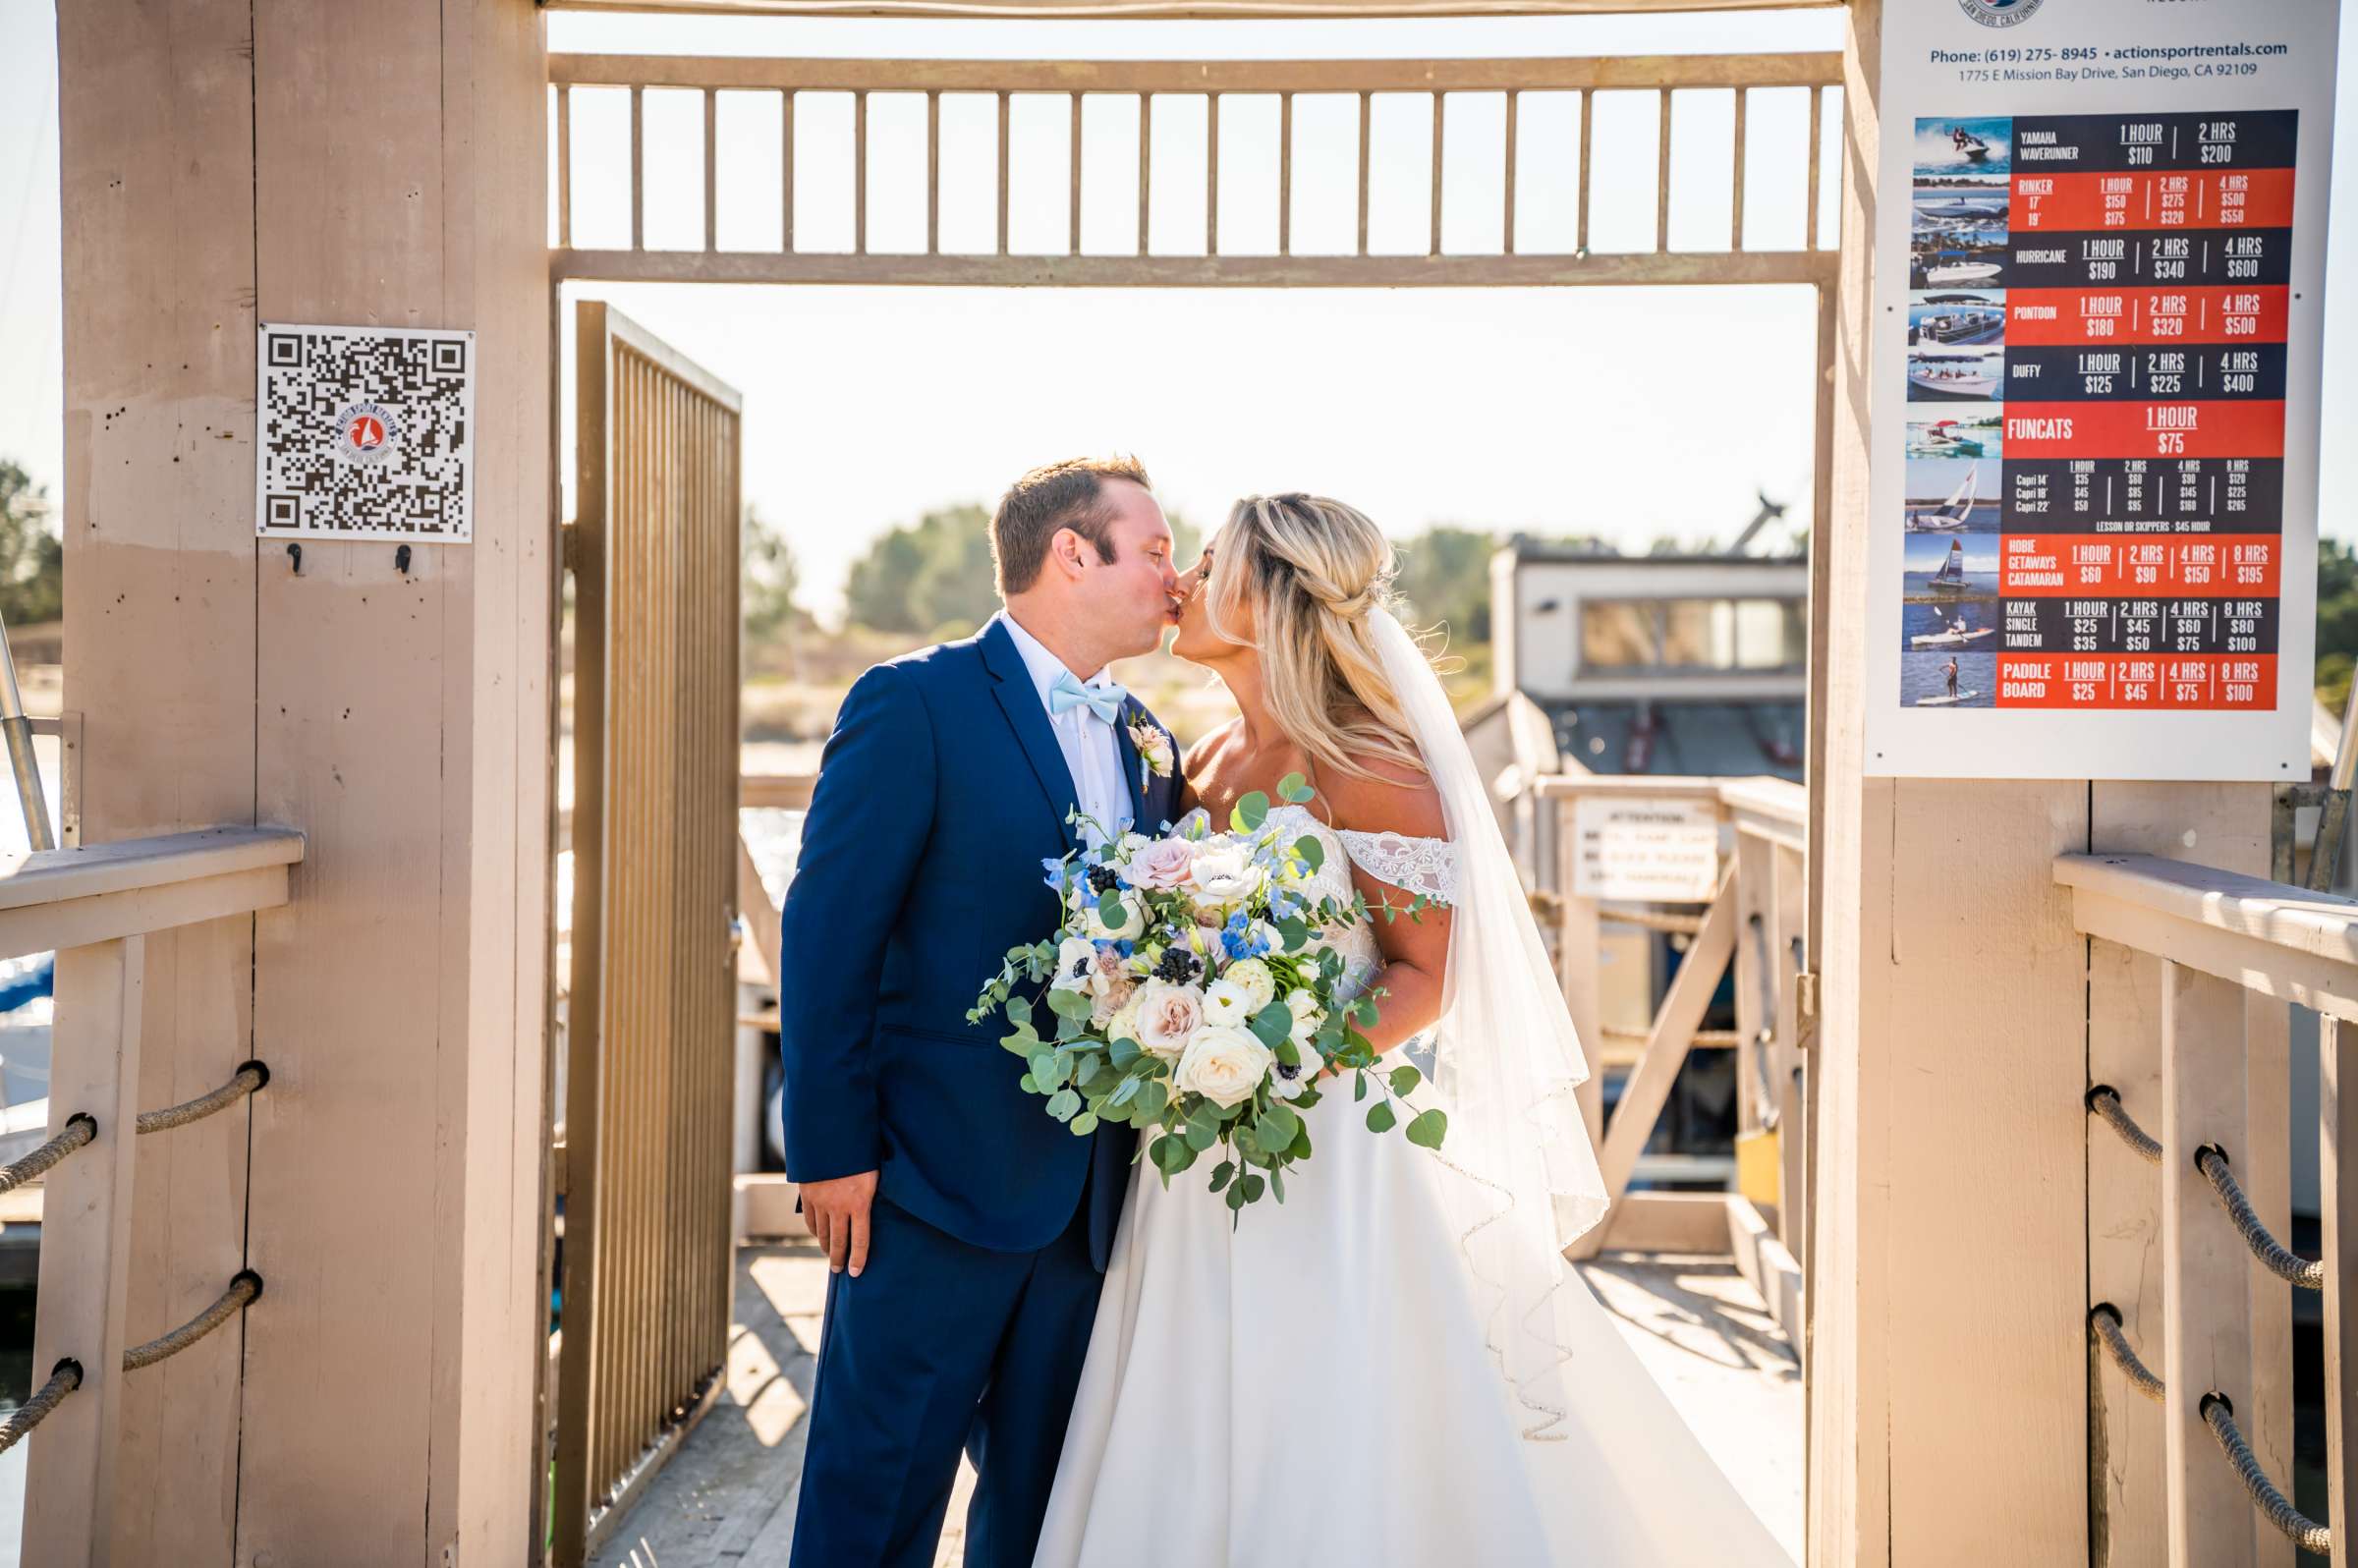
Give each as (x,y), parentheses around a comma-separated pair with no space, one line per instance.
(1317,1384)
(1394,1368)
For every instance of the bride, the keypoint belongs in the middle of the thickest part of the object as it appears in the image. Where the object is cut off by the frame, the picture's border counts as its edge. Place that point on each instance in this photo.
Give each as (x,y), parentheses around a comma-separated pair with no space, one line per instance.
(1394,1366)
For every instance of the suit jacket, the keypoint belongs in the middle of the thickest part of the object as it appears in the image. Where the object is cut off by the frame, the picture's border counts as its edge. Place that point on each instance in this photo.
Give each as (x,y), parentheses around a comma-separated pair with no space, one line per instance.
(941,791)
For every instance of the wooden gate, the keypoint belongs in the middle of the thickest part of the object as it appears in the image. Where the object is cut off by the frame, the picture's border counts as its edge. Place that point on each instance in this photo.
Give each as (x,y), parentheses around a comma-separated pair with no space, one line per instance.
(648,1251)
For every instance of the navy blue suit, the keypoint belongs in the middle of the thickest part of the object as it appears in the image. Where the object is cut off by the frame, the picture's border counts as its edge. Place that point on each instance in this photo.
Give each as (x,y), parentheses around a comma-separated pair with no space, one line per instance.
(941,791)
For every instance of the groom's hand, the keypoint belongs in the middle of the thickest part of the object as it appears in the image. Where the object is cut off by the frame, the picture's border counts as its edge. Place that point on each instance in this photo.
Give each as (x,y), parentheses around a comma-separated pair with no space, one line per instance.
(837,1210)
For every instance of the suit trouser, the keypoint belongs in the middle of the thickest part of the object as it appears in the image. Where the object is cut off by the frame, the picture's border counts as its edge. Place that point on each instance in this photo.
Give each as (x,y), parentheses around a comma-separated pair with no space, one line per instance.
(940,1346)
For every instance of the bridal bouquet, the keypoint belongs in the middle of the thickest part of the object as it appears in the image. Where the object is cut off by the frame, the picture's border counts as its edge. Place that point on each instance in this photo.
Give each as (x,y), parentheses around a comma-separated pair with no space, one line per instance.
(1193,998)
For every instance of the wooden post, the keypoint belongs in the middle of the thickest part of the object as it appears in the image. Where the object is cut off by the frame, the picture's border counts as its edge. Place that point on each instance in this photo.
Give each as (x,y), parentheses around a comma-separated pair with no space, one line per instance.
(1948,1397)
(2337,1205)
(399,718)
(2205,1266)
(75,1466)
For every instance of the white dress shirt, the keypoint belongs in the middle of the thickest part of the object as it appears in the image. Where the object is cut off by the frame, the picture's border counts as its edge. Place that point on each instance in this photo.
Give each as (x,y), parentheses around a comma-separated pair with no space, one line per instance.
(1092,754)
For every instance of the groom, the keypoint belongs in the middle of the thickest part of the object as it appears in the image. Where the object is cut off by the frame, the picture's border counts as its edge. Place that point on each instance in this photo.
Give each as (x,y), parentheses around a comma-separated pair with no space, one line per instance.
(967,1230)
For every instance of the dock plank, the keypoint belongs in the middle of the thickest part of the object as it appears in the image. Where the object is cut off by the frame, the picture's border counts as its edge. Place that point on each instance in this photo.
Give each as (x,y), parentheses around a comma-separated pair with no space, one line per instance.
(728,1499)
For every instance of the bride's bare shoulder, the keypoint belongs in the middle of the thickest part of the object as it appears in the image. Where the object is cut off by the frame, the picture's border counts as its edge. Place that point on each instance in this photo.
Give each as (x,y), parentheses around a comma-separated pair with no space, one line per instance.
(1397,799)
(1209,746)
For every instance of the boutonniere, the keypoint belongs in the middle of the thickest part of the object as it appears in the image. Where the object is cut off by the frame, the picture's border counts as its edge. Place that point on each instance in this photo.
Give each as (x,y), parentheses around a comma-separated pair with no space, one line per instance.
(1154,744)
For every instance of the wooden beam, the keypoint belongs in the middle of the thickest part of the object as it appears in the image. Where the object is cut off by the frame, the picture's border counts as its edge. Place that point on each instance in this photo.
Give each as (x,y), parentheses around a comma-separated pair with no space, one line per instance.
(1666,1048)
(1525,270)
(76,1465)
(1206,9)
(2294,946)
(2337,1207)
(1560,74)
(2206,1345)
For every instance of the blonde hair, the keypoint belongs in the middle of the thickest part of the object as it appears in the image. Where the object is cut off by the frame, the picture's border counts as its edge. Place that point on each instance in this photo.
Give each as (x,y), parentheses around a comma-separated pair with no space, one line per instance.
(1312,570)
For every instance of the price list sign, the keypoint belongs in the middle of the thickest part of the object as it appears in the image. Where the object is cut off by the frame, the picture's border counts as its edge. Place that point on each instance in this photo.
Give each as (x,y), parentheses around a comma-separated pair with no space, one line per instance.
(2095,474)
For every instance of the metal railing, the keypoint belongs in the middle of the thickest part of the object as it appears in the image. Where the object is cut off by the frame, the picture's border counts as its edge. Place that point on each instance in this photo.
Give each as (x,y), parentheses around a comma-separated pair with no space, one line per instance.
(1752,921)
(2233,951)
(95,907)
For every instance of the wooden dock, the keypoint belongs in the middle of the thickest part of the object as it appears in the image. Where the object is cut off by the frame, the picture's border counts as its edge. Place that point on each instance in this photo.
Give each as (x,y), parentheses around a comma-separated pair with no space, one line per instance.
(728,1499)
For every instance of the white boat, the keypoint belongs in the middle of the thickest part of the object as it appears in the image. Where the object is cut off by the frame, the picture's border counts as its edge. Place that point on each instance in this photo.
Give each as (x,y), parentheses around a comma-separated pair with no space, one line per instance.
(1952,379)
(1951,579)
(1951,514)
(1946,701)
(1961,272)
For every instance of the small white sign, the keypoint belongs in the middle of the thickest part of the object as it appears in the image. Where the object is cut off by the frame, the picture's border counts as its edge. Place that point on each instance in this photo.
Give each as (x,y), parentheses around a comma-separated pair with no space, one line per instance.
(365,433)
(1665,850)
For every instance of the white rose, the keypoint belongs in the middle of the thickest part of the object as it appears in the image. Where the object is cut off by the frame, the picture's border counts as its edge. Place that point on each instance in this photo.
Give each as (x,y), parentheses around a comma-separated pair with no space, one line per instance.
(1225,874)
(1076,961)
(1226,1004)
(1224,1065)
(1253,977)
(1133,923)
(1168,1017)
(1123,1025)
(1309,1017)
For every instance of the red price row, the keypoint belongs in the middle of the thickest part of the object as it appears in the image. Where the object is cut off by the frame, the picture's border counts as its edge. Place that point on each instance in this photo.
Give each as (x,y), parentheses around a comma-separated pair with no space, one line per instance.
(2202,314)
(2140,200)
(2217,428)
(2137,681)
(2197,566)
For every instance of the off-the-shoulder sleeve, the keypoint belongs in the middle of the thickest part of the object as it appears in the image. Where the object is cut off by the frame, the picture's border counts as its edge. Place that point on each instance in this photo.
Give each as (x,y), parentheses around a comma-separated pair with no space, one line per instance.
(1427,865)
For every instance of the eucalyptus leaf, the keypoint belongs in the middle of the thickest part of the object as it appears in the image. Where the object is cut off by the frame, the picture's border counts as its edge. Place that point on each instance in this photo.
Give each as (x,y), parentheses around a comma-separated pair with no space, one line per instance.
(1236,1197)
(1359,1087)
(1277,1126)
(1277,1185)
(1019,1010)
(1272,1024)
(1084,1124)
(1122,1052)
(1294,789)
(1064,1104)
(1313,853)
(1110,907)
(1428,1129)
(1028,1084)
(1254,1187)
(1153,1100)
(1380,1118)
(1221,1173)
(1127,1093)
(1043,1068)
(1249,812)
(1200,1136)
(1070,1003)
(1301,1148)
(1292,932)
(1405,1078)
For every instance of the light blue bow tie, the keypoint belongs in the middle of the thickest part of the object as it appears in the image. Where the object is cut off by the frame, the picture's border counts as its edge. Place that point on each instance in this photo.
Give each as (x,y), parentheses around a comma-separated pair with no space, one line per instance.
(1105,701)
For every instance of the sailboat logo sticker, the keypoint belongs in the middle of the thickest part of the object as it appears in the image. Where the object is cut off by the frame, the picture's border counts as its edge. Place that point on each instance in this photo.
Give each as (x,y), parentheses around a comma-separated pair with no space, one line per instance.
(366,432)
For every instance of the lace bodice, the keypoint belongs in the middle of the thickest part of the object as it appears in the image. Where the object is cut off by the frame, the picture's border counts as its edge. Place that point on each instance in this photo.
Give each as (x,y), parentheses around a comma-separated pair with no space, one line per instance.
(1427,865)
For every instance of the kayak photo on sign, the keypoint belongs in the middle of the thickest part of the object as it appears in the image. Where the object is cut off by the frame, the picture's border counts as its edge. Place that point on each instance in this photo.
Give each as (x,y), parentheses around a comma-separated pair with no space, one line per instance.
(1951,496)
(1959,155)
(1948,679)
(1940,375)
(1965,433)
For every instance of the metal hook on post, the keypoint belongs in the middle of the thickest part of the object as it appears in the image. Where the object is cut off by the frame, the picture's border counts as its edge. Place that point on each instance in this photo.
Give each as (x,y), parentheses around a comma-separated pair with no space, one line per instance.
(295,554)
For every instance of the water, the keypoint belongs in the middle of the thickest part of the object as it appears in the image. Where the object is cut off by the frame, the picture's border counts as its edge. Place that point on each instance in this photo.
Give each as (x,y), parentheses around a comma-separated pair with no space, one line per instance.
(1927,675)
(1920,618)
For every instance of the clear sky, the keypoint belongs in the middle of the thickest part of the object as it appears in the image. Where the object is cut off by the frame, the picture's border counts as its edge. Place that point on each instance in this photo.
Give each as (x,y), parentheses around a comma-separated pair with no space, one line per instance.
(1627,412)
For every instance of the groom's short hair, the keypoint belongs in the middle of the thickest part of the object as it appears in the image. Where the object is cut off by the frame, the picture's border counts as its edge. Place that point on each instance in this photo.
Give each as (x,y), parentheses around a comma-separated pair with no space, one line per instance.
(1056,495)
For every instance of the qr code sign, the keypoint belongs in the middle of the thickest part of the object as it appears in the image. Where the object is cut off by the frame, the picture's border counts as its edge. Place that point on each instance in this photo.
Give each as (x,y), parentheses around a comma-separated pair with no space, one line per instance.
(367,433)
